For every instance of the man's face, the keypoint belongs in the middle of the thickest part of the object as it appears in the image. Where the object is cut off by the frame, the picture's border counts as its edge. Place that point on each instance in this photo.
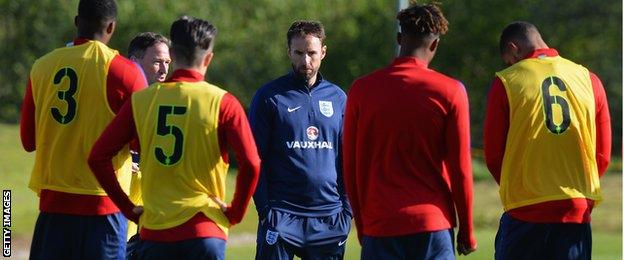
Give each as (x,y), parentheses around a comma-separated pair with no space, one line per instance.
(155,62)
(305,54)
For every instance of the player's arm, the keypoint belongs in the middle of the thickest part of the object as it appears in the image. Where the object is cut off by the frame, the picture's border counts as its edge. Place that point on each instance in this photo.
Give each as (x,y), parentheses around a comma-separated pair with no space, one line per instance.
(259,120)
(346,206)
(27,120)
(339,169)
(459,165)
(495,129)
(124,78)
(603,126)
(349,146)
(116,135)
(238,136)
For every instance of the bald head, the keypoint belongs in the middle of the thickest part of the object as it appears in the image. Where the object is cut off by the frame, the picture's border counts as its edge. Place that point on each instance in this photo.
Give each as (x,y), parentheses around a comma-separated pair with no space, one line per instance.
(518,40)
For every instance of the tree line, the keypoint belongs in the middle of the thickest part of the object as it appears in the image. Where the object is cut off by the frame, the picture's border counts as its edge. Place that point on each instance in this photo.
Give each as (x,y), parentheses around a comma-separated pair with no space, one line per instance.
(361,36)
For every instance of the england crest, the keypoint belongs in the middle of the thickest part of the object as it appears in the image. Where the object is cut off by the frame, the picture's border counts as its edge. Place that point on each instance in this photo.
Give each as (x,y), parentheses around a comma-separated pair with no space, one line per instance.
(326,108)
(271,237)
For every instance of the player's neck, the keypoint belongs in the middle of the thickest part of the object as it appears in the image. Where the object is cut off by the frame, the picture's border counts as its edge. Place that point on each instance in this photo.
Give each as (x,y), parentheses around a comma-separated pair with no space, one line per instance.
(417,53)
(310,82)
(200,70)
(95,37)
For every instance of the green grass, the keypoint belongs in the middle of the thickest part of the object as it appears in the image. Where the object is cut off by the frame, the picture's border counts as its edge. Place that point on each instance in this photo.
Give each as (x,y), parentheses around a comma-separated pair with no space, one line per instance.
(15,166)
(606,246)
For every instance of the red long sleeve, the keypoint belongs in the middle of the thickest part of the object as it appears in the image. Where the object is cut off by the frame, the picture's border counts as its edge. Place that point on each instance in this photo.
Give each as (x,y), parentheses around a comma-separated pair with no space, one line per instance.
(349,160)
(234,125)
(123,79)
(603,126)
(459,165)
(27,120)
(496,127)
(116,135)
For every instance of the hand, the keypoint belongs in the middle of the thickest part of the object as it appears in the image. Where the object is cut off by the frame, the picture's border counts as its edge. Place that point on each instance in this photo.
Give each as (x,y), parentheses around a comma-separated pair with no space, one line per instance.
(134,214)
(221,204)
(138,210)
(466,245)
(135,167)
(463,249)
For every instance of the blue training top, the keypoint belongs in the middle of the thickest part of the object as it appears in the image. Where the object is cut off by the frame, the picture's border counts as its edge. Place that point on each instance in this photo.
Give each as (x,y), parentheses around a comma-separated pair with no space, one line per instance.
(299,137)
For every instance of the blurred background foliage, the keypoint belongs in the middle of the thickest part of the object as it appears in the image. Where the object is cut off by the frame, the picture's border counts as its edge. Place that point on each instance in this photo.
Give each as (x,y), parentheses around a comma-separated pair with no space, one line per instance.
(251,44)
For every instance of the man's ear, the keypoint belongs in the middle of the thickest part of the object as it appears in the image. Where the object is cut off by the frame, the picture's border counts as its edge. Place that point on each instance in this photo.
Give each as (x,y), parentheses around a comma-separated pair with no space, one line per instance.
(399,37)
(208,59)
(434,45)
(76,21)
(513,49)
(110,28)
(323,51)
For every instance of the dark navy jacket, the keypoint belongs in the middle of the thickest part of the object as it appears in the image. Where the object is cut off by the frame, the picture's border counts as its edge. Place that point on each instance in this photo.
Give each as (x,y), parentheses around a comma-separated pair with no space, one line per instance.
(299,137)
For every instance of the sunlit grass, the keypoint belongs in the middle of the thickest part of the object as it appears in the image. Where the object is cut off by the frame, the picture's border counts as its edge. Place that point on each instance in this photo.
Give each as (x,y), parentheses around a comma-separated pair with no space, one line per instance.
(15,166)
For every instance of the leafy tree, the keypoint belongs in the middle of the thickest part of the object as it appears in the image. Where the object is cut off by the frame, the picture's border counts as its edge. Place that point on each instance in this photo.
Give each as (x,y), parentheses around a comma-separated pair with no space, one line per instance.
(251,42)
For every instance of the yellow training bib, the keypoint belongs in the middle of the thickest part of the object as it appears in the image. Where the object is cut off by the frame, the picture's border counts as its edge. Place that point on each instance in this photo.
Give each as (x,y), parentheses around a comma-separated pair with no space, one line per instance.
(551,143)
(181,162)
(71,111)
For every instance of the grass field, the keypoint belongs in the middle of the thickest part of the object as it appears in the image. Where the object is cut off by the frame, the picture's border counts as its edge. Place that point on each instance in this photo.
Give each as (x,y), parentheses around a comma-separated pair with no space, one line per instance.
(15,166)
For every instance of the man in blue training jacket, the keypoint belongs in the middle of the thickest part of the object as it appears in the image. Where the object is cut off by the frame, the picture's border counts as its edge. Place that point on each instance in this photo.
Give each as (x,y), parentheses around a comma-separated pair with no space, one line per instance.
(297,123)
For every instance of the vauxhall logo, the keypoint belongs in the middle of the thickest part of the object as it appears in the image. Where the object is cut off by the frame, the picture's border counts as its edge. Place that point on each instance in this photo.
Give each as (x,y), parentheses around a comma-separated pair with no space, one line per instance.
(312,132)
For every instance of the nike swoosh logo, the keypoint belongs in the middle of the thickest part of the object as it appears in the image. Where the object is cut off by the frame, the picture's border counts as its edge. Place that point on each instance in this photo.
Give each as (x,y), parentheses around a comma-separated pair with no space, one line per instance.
(342,243)
(293,109)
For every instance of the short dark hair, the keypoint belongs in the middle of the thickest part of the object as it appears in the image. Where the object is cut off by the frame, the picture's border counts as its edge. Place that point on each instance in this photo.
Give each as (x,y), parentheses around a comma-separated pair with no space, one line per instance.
(190,38)
(518,32)
(302,28)
(95,15)
(142,41)
(423,21)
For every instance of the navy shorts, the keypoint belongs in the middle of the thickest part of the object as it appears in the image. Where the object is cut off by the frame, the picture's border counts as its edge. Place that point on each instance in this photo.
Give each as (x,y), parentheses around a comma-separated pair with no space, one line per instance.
(283,235)
(517,239)
(199,248)
(62,236)
(427,245)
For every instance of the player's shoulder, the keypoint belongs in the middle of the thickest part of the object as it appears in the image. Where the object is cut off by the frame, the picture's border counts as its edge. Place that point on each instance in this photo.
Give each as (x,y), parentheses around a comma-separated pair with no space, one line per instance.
(365,79)
(50,56)
(371,79)
(443,78)
(213,89)
(334,88)
(372,76)
(125,63)
(271,88)
(573,64)
(445,81)
(123,60)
